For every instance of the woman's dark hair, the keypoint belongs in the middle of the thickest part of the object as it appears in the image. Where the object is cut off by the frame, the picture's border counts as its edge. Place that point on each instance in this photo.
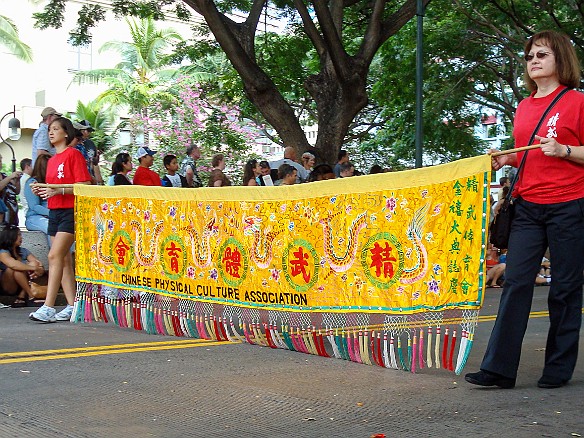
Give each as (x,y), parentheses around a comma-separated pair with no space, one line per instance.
(8,235)
(217,158)
(39,171)
(248,172)
(67,125)
(567,64)
(118,165)
(264,164)
(376,168)
(318,172)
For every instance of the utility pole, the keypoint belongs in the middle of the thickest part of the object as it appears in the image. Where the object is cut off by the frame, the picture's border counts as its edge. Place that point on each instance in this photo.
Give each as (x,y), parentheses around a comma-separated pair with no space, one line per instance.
(419,83)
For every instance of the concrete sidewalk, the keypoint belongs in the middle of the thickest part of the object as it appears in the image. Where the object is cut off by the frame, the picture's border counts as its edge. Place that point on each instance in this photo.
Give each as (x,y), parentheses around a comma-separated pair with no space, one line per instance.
(143,385)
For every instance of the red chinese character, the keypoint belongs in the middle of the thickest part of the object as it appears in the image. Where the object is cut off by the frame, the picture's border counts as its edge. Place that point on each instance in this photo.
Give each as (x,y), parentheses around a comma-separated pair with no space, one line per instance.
(173,252)
(232,261)
(382,259)
(299,264)
(121,249)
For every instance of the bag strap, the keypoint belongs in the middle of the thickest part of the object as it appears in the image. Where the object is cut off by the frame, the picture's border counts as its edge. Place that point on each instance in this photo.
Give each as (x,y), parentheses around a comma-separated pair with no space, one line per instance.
(520,167)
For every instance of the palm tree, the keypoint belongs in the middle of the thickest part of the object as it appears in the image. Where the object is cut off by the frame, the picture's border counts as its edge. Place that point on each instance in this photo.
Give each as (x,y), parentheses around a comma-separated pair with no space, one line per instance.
(101,119)
(143,70)
(9,39)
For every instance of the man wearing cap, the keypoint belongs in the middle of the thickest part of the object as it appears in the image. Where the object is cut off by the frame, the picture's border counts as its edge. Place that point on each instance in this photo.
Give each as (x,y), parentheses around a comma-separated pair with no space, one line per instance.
(144,176)
(91,151)
(40,139)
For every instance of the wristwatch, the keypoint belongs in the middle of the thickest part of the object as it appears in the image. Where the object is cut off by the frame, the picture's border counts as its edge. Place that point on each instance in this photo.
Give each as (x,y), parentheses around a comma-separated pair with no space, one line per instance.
(568,152)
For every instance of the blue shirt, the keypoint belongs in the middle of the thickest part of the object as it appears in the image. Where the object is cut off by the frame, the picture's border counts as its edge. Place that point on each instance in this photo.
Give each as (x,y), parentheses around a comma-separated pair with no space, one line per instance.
(24,253)
(37,206)
(40,140)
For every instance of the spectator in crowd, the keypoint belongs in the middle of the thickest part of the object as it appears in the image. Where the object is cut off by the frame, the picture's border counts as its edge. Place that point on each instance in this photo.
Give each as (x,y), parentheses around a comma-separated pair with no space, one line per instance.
(548,214)
(321,172)
(188,166)
(144,176)
(37,216)
(286,175)
(217,177)
(376,168)
(9,188)
(251,172)
(26,168)
(17,266)
(120,169)
(347,169)
(66,167)
(80,146)
(290,158)
(500,202)
(40,138)
(342,157)
(504,181)
(265,173)
(92,153)
(308,161)
(172,178)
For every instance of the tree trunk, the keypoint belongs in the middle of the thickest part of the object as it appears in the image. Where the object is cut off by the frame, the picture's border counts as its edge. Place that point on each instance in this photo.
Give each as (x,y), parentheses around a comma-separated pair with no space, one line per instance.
(337,105)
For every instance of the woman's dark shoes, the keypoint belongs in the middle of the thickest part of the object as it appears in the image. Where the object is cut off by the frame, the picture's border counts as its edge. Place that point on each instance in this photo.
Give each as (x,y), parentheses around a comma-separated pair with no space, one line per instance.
(484,378)
(550,382)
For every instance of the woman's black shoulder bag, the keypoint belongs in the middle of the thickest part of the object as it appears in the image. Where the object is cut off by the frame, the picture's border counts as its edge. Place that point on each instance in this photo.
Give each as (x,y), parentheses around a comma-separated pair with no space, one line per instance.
(501,225)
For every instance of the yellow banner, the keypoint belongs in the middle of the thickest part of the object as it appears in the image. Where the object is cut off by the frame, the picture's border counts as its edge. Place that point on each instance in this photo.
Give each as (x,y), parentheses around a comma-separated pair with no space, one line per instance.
(403,242)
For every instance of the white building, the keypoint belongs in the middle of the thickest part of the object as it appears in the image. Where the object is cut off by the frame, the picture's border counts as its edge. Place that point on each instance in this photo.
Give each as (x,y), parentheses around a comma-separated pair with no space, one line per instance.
(47,80)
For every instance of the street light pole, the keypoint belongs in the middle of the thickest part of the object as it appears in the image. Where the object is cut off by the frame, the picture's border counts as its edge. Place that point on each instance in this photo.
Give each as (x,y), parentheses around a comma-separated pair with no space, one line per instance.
(14,127)
(419,82)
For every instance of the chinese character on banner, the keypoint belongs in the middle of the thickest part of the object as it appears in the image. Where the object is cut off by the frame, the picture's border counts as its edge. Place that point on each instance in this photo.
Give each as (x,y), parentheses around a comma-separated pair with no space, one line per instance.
(232,260)
(382,260)
(173,252)
(299,264)
(121,248)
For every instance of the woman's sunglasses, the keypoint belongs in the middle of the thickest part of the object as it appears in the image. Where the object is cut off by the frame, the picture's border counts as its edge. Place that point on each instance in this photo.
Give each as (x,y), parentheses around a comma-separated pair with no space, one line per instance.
(540,55)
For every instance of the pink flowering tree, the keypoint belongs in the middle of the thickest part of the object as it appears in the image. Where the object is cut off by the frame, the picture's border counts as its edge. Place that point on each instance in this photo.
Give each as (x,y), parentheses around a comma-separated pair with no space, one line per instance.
(171,125)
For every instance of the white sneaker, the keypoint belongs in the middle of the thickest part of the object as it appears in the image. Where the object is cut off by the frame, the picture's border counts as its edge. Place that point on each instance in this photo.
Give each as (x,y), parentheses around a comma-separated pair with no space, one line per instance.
(65,314)
(4,306)
(43,314)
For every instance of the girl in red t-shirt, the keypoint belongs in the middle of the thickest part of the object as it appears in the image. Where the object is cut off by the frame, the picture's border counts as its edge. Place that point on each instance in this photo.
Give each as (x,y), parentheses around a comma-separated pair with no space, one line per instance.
(68,166)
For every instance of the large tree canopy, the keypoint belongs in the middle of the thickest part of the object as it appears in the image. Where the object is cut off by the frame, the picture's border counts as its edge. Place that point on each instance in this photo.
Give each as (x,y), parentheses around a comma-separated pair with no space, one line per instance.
(345,37)
(336,65)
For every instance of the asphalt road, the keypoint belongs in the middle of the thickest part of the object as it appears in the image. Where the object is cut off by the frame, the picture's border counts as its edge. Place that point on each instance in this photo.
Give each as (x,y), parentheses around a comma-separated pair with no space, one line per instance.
(97,380)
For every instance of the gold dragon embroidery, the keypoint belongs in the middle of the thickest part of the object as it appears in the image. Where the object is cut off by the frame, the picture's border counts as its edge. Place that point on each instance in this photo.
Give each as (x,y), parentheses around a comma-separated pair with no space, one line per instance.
(151,257)
(342,262)
(200,247)
(261,249)
(414,233)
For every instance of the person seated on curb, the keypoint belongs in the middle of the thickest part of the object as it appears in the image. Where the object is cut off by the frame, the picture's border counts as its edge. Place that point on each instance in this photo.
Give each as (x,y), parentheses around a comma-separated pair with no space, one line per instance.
(37,214)
(495,275)
(17,266)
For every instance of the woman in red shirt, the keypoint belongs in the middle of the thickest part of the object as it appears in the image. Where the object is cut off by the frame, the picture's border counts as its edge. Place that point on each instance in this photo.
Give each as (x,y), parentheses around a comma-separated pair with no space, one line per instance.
(67,166)
(549,212)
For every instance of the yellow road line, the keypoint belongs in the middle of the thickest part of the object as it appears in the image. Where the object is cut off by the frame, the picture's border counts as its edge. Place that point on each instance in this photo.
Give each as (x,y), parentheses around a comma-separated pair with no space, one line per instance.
(68,353)
(100,347)
(110,351)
